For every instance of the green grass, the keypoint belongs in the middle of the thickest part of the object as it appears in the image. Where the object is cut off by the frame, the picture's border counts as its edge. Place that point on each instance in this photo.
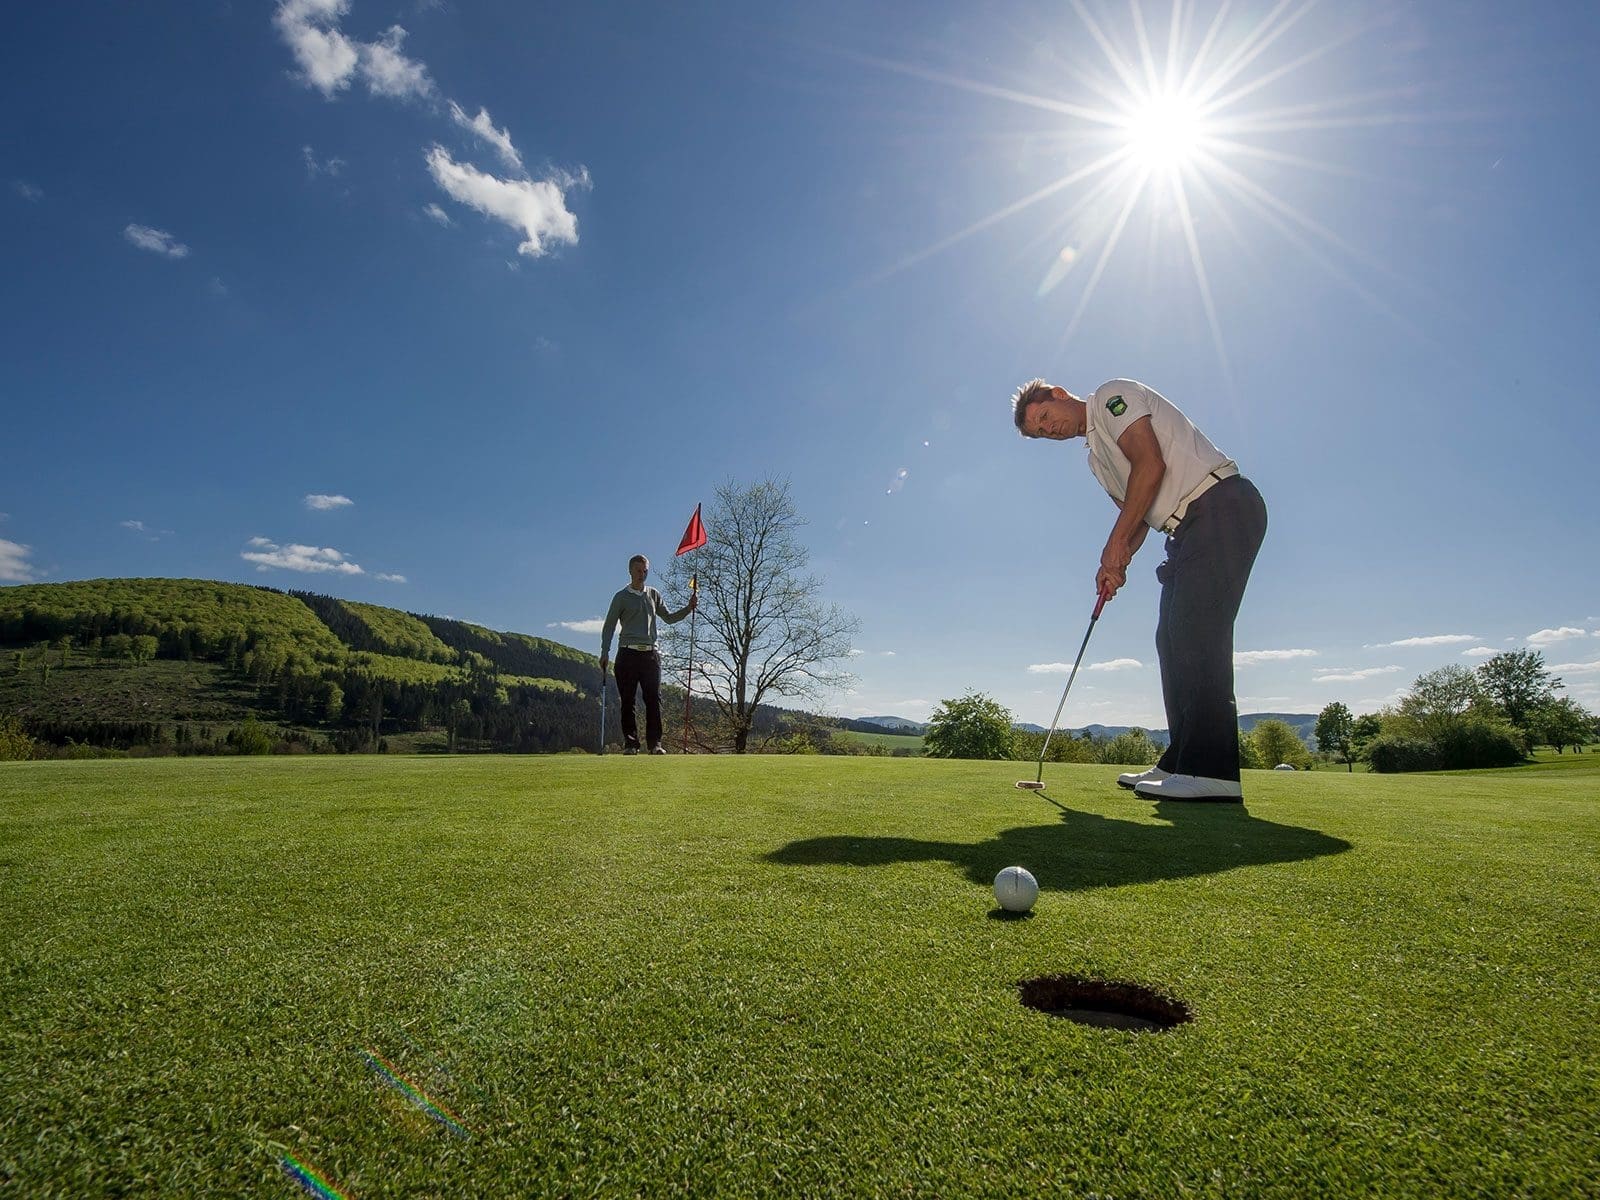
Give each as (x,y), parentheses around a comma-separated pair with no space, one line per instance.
(893,741)
(739,976)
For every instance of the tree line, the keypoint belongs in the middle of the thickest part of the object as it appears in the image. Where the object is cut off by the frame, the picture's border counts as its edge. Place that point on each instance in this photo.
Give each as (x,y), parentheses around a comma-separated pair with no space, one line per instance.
(1455,718)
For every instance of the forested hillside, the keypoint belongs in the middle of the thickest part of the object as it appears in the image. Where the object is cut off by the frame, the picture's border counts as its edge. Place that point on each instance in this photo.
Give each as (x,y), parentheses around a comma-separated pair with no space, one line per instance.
(187,663)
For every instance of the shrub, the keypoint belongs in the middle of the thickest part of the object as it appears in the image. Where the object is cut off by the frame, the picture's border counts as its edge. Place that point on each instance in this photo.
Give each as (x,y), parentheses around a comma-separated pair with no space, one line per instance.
(1132,749)
(250,737)
(15,744)
(1394,752)
(1476,741)
(974,726)
(1064,748)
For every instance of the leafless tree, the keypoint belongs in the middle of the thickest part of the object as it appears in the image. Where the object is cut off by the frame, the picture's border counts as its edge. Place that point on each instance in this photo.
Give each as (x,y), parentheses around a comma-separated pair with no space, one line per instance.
(761,633)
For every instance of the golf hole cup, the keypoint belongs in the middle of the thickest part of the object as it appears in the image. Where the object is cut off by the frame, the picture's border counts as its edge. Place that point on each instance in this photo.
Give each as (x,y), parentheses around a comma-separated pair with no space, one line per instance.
(1016,889)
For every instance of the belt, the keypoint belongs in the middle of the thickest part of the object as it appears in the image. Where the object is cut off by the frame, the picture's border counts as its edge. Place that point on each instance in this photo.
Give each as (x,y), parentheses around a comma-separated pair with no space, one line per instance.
(641,649)
(1225,471)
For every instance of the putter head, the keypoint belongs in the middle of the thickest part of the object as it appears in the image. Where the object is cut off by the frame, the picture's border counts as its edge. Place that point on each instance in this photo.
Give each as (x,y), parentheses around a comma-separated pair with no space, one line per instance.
(1030,785)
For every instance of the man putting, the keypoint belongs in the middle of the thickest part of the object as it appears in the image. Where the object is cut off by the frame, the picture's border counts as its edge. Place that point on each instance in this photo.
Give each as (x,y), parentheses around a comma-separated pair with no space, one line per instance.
(638,658)
(1164,474)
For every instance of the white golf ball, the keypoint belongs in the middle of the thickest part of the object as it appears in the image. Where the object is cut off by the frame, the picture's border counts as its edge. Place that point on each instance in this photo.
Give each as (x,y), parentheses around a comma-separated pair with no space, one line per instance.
(1016,889)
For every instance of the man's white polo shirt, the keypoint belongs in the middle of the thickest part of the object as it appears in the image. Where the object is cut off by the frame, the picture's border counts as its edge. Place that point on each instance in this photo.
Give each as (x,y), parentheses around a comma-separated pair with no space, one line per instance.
(1189,454)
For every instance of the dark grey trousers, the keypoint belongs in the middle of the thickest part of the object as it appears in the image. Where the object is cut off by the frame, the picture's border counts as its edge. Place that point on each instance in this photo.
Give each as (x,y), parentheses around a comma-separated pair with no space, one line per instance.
(640,670)
(1202,582)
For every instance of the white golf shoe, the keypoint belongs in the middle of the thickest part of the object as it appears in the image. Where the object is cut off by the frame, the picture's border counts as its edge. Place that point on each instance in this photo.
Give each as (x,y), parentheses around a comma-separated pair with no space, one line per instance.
(1191,787)
(1134,778)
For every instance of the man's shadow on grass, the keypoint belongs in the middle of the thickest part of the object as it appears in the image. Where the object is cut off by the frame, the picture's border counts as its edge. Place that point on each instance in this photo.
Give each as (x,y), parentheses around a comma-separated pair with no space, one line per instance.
(1084,850)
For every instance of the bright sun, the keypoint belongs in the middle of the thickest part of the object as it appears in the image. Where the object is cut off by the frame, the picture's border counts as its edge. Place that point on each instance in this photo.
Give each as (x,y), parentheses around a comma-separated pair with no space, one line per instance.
(1164,132)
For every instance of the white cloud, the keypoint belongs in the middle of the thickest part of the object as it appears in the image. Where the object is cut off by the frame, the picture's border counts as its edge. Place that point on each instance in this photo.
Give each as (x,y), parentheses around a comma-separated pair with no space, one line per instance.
(313,168)
(1246,658)
(136,526)
(328,60)
(295,557)
(1436,639)
(218,288)
(157,241)
(887,653)
(27,190)
(388,577)
(389,72)
(1571,668)
(438,214)
(326,57)
(483,126)
(14,564)
(1479,652)
(322,503)
(536,207)
(592,625)
(1353,676)
(1049,668)
(1545,637)
(1116,664)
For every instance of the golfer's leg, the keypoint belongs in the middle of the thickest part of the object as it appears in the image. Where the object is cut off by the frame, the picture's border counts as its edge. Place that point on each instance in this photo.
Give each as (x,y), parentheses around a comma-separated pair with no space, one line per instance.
(1164,650)
(650,683)
(627,682)
(1219,550)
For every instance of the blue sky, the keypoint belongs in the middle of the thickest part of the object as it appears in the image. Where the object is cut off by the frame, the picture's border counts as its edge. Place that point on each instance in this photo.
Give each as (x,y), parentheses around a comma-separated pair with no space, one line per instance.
(511,288)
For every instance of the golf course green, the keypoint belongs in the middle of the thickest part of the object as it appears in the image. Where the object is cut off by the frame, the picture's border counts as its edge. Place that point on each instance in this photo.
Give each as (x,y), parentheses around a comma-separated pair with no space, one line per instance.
(581,976)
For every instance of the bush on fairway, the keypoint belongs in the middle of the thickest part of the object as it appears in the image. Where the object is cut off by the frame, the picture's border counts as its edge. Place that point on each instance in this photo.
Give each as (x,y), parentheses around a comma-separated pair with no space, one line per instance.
(1395,752)
(1468,743)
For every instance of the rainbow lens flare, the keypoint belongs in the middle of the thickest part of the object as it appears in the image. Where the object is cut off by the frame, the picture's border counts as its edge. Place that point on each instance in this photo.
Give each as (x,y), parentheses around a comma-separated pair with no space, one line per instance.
(412,1094)
(312,1183)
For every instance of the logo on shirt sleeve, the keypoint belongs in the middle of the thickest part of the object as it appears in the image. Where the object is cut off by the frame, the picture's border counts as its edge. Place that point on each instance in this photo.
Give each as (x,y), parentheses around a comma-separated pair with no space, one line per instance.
(1116,406)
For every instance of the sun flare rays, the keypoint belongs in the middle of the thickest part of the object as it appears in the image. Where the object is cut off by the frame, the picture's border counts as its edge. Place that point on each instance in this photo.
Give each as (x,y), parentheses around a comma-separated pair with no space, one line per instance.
(1189,126)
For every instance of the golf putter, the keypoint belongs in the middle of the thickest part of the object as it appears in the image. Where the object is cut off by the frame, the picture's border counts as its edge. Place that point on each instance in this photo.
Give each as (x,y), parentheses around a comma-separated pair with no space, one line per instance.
(1036,784)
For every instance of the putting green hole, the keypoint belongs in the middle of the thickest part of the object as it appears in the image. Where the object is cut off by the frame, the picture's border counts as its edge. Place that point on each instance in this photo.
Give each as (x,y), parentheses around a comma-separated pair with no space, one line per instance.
(1104,1003)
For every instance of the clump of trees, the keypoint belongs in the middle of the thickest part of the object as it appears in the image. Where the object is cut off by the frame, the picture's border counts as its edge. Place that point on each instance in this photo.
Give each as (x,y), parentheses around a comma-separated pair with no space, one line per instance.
(1273,741)
(975,725)
(1454,718)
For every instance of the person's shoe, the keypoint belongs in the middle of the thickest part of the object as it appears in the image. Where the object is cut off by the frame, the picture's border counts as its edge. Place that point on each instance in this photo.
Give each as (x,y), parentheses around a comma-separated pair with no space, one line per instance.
(1191,787)
(658,750)
(1134,778)
(630,749)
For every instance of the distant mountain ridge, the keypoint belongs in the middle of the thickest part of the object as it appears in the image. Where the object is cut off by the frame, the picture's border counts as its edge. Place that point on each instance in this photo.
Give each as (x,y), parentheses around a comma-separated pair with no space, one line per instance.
(894,724)
(1304,725)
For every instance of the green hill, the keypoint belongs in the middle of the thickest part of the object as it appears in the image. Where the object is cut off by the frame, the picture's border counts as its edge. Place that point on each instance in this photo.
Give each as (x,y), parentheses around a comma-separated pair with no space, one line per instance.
(124,662)
(197,666)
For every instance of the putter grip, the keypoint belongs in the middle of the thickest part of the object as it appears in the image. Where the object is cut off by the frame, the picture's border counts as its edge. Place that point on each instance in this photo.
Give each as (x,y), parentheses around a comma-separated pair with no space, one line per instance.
(1104,596)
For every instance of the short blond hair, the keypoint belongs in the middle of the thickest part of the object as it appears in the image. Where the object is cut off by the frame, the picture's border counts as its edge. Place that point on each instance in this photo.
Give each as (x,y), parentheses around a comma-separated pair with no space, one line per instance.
(1025,397)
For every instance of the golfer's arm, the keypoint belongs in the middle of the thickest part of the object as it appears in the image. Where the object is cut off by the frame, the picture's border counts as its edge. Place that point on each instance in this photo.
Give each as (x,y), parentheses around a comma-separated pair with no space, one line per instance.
(671,618)
(1147,468)
(610,627)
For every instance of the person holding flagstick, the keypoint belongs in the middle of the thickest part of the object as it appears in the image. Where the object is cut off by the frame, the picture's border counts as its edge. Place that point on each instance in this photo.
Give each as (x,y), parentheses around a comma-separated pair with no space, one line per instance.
(635,608)
(693,538)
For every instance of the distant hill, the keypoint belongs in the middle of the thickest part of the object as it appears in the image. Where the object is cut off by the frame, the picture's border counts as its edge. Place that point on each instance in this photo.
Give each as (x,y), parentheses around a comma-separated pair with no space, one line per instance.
(182,663)
(1304,724)
(893,724)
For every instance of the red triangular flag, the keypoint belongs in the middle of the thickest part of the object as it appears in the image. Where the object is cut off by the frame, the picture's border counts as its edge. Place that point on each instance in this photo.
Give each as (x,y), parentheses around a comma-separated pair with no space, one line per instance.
(695,536)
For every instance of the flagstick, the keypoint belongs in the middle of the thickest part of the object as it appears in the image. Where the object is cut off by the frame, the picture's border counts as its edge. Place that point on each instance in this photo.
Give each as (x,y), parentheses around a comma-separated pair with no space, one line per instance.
(688,692)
